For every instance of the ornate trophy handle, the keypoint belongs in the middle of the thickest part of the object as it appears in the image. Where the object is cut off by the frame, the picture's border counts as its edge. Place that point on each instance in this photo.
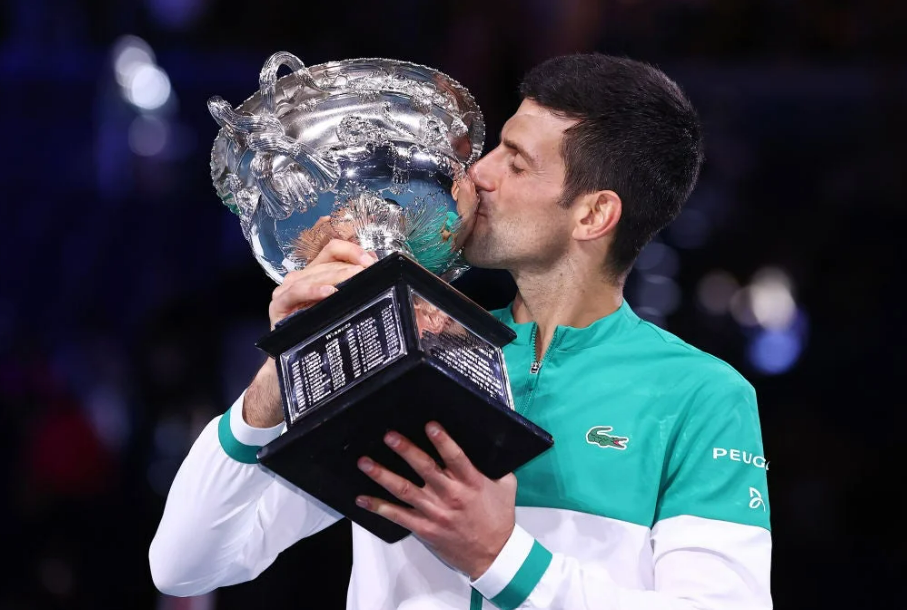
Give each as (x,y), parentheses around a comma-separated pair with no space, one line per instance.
(324,172)
(283,189)
(267,79)
(234,122)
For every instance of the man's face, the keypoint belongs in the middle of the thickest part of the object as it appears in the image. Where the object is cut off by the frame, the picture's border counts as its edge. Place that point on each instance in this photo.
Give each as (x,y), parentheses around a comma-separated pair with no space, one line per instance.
(520,224)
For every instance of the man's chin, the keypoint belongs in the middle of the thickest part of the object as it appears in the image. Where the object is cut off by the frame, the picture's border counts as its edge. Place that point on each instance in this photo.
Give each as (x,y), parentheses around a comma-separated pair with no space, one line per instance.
(478,257)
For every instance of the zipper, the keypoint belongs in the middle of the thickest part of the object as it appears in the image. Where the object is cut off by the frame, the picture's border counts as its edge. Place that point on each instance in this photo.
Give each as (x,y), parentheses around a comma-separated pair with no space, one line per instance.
(536,365)
(535,368)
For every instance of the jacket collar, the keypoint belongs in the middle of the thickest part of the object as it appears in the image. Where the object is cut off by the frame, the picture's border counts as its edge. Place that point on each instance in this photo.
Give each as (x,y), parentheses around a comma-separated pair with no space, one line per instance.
(569,337)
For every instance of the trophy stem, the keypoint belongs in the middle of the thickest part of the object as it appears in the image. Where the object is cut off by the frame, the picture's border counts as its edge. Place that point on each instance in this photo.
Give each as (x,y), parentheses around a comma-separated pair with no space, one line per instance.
(381,226)
(384,253)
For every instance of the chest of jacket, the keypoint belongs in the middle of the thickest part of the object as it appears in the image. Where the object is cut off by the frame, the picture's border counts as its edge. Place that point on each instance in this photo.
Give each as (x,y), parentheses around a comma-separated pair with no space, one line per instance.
(611,433)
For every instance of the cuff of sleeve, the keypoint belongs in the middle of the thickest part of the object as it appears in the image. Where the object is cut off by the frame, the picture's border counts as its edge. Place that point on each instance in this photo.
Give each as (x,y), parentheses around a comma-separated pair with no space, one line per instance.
(515,572)
(239,440)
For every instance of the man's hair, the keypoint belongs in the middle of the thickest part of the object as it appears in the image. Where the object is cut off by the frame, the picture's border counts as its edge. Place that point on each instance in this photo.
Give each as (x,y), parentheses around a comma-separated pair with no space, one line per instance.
(638,135)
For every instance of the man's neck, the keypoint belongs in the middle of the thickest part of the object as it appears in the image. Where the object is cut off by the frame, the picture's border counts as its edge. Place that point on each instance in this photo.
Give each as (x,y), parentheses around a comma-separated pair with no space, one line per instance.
(563,297)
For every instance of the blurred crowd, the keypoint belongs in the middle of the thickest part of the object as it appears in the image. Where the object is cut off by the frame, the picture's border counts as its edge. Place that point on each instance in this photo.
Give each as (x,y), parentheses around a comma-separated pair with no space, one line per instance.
(130,303)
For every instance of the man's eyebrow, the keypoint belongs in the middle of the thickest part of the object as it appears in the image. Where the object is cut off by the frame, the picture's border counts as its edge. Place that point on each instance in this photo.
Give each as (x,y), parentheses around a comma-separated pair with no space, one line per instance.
(523,152)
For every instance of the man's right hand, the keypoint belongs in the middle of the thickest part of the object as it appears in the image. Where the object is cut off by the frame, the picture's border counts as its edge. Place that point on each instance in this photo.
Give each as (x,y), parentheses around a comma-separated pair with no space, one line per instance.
(337,262)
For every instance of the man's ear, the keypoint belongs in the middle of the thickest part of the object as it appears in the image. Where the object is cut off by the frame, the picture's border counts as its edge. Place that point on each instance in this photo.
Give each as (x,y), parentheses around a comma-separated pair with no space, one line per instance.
(596,215)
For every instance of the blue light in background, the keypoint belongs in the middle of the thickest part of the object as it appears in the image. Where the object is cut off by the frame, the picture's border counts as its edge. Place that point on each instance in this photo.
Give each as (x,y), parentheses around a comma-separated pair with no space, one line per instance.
(773,352)
(177,14)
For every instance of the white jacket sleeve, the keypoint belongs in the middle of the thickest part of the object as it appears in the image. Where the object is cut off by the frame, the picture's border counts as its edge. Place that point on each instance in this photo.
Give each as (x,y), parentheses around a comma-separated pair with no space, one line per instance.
(227,518)
(699,564)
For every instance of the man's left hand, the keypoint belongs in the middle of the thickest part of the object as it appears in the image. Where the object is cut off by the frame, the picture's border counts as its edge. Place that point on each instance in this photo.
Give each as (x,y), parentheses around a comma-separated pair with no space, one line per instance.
(460,514)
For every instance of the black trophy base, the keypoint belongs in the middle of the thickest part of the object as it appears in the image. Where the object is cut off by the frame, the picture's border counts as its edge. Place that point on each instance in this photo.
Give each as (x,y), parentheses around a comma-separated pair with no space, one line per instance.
(364,361)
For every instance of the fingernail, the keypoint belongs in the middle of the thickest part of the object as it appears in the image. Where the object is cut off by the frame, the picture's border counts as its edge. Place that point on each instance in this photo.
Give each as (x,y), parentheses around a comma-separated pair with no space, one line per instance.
(392,439)
(366,465)
(362,502)
(365,260)
(433,429)
(327,290)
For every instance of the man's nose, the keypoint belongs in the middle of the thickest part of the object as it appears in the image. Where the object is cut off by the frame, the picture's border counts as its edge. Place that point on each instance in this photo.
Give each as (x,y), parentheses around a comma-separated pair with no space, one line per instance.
(481,175)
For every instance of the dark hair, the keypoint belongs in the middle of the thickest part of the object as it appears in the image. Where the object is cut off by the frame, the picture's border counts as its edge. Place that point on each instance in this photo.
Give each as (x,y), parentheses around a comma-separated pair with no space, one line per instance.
(637,135)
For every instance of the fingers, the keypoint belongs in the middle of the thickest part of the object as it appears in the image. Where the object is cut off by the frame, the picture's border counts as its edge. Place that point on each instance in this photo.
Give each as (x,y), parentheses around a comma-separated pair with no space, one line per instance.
(338,250)
(424,465)
(454,458)
(305,291)
(337,262)
(297,297)
(325,274)
(401,488)
(400,515)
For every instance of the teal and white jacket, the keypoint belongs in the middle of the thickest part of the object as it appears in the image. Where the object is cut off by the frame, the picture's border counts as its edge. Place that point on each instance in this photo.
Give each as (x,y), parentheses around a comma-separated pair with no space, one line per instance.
(653,497)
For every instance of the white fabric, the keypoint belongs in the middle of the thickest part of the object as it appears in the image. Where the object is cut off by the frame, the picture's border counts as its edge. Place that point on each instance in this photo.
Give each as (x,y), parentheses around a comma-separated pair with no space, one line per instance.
(225,522)
(506,565)
(246,434)
(687,563)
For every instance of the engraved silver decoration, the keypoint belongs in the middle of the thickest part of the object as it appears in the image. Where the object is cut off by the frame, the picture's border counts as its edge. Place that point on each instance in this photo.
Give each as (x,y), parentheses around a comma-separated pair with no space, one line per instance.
(370,150)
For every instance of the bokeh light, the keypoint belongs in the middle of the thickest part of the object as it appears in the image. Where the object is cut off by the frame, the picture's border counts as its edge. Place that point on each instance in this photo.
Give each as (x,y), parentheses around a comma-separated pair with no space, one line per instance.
(767,301)
(148,135)
(775,351)
(149,87)
(715,291)
(658,258)
(129,54)
(143,83)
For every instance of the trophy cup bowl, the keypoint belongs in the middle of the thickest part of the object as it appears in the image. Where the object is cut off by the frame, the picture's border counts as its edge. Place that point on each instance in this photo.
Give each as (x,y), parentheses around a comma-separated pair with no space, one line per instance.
(374,151)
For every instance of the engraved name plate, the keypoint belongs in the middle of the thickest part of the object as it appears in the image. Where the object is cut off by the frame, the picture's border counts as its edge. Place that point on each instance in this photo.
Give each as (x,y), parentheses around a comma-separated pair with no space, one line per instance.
(461,352)
(342,356)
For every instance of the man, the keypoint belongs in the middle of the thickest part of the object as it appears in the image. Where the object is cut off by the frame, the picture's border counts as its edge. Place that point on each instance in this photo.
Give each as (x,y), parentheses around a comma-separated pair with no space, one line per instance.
(654,494)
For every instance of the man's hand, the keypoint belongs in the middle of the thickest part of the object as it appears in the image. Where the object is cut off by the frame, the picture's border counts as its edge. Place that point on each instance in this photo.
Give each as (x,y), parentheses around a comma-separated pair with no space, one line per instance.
(338,261)
(460,514)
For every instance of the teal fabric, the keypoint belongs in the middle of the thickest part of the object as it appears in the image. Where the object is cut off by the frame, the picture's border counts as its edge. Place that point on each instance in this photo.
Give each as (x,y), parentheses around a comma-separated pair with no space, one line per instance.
(247,454)
(646,427)
(525,580)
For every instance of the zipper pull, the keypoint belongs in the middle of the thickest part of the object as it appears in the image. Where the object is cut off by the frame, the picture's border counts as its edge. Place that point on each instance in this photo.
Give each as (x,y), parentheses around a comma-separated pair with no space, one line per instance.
(534,367)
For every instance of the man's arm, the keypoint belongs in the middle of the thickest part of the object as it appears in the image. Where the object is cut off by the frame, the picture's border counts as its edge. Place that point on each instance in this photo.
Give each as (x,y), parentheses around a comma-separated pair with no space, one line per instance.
(226,518)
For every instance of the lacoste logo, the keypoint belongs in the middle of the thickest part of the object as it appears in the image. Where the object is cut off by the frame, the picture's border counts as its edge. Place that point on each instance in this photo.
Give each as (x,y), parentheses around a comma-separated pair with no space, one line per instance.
(598,435)
(756,499)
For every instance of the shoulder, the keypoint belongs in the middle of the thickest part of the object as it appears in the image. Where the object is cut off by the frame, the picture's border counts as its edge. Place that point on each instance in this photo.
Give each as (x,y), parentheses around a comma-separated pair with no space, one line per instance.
(670,353)
(704,387)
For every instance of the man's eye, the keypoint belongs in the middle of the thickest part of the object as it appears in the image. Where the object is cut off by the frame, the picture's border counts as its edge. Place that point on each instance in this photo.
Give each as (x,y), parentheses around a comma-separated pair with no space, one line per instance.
(515,169)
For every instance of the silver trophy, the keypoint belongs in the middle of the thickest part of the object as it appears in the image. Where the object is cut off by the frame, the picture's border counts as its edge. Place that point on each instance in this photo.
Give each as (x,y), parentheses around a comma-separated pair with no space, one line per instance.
(373,151)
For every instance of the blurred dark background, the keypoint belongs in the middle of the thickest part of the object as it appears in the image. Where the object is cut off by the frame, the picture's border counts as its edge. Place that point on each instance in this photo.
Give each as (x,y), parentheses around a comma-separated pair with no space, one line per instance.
(129,301)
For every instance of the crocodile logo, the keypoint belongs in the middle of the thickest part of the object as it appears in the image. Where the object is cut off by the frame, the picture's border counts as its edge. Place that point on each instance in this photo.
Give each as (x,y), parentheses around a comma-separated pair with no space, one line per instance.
(598,435)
